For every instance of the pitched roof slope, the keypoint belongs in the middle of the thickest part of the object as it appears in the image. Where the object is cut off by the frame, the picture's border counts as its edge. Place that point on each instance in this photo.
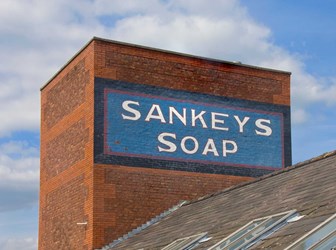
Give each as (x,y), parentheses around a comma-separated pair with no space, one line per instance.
(308,187)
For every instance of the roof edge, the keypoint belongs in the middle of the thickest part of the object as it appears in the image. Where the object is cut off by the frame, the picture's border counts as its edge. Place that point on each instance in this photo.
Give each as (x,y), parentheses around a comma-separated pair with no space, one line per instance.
(287,169)
(67,63)
(159,50)
(236,63)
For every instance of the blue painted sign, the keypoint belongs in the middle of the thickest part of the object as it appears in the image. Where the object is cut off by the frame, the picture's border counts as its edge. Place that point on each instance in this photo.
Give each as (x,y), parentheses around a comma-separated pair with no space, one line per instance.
(152,126)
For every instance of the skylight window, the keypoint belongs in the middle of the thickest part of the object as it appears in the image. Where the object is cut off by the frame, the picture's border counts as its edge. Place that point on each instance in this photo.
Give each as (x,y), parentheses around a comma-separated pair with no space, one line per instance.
(321,237)
(186,243)
(254,231)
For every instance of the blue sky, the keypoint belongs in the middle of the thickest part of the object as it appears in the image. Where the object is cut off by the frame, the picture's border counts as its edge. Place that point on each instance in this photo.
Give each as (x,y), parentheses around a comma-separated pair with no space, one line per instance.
(38,37)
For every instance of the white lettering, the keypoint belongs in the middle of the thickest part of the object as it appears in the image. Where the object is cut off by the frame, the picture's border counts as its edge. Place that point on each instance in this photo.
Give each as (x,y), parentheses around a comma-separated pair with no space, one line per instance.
(210,147)
(241,123)
(267,131)
(135,112)
(173,111)
(183,146)
(197,117)
(214,120)
(233,149)
(159,115)
(171,146)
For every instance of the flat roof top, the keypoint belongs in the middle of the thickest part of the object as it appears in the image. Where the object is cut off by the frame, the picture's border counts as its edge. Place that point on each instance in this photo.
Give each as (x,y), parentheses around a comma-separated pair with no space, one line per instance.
(236,63)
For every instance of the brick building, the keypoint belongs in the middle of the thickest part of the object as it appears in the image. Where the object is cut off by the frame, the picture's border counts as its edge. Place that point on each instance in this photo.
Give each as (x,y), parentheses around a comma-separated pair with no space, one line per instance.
(129,131)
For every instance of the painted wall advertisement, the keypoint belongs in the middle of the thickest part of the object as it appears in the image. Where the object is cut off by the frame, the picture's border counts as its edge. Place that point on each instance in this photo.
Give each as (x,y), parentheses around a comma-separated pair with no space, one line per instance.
(157,124)
(190,127)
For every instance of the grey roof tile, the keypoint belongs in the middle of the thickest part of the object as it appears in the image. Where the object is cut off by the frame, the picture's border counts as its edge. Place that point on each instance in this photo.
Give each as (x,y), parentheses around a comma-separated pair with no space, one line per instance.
(308,187)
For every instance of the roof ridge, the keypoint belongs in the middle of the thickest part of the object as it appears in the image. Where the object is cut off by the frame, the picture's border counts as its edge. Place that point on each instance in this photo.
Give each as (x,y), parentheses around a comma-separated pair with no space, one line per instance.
(243,184)
(143,226)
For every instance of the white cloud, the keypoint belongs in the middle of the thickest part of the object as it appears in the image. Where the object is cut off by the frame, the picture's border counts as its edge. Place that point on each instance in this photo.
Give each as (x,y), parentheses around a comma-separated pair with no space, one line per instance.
(19,243)
(38,43)
(228,35)
(19,175)
(127,7)
(221,30)
(40,36)
(299,116)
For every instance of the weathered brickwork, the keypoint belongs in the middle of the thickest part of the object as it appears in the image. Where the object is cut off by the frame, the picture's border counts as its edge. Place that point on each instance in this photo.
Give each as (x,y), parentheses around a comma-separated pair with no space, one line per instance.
(159,68)
(178,75)
(66,95)
(67,156)
(66,149)
(60,218)
(135,195)
(113,198)
(139,193)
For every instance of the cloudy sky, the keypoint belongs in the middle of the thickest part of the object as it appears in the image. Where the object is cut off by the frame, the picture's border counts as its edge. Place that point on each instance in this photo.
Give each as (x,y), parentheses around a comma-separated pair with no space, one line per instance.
(38,37)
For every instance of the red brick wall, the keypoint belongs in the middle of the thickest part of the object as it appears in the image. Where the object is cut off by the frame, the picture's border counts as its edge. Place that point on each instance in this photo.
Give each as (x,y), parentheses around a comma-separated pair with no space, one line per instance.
(115,199)
(67,156)
(126,197)
(64,207)
(144,66)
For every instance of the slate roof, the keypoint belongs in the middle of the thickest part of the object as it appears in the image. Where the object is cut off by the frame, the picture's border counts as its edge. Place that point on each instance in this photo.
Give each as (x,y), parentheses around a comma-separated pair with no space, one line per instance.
(309,187)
